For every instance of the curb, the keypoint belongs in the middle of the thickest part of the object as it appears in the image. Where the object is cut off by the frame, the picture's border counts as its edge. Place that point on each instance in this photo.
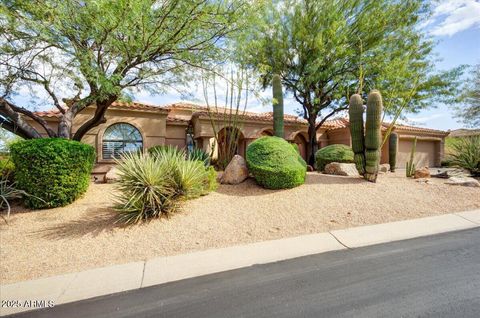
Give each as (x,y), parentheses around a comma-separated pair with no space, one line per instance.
(118,278)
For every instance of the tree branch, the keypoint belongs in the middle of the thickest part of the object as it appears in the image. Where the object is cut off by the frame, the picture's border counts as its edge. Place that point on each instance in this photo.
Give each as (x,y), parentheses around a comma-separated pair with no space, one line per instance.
(13,112)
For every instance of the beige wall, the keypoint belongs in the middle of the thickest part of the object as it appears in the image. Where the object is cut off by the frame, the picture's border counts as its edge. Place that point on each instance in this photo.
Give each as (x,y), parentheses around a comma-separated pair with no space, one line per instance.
(339,136)
(426,154)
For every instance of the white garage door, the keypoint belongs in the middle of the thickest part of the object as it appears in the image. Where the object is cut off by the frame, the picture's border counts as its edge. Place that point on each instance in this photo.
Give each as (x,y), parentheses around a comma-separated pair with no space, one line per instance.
(424,155)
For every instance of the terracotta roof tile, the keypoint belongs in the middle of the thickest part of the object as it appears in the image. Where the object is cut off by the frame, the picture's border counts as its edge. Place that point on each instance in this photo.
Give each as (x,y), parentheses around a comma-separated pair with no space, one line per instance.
(202,111)
(343,122)
(115,105)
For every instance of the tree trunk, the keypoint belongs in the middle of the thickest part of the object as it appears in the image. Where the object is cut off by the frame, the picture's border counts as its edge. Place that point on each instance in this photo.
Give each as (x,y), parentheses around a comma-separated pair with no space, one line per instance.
(312,139)
(97,119)
(65,125)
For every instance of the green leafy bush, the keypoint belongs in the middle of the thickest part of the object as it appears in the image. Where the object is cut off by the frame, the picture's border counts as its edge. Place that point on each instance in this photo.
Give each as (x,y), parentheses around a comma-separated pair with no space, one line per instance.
(54,171)
(210,183)
(275,164)
(333,153)
(152,185)
(7,169)
(465,153)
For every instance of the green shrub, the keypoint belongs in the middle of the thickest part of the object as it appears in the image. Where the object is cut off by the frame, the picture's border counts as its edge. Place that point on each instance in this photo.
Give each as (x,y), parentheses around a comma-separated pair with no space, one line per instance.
(275,164)
(333,153)
(465,153)
(54,171)
(199,155)
(7,169)
(211,183)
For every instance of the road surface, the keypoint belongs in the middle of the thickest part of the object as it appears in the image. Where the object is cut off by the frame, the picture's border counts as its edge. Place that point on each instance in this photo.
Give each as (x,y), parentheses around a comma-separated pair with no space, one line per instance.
(436,276)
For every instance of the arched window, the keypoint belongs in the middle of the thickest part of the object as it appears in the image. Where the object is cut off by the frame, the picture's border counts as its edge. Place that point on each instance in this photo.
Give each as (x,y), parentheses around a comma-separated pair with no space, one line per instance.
(119,139)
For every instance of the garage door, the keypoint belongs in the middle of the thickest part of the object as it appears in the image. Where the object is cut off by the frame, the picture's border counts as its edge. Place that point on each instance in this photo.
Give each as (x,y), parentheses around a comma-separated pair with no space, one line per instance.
(424,154)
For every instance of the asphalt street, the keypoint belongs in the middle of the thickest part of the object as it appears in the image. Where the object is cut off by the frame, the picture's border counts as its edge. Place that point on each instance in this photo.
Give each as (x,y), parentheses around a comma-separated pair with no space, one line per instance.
(435,276)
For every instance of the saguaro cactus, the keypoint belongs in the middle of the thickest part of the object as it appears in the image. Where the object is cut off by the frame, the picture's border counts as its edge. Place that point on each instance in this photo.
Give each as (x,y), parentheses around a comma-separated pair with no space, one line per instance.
(355,113)
(278,129)
(392,150)
(366,147)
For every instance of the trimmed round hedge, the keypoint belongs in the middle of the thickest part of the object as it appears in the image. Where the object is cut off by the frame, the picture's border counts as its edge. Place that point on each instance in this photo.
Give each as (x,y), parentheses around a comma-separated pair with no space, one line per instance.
(53,171)
(333,153)
(275,163)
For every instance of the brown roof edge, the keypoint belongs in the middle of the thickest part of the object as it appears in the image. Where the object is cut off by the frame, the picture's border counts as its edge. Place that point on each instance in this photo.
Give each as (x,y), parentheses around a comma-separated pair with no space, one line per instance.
(342,122)
(55,113)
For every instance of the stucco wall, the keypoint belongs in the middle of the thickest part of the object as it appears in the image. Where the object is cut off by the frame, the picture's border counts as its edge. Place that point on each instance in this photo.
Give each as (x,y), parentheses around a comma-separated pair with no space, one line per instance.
(339,136)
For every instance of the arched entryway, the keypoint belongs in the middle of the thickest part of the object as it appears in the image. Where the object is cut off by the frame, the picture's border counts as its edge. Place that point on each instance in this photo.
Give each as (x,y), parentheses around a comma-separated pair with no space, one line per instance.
(266,132)
(301,142)
(231,141)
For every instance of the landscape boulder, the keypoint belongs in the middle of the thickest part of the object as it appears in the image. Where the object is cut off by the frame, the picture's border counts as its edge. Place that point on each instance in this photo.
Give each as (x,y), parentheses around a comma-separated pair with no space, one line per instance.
(463,181)
(236,172)
(385,167)
(422,173)
(341,169)
(451,172)
(112,175)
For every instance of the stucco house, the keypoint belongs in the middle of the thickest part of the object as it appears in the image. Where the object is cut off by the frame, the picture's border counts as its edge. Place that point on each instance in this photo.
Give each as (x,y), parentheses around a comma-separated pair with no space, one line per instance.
(133,126)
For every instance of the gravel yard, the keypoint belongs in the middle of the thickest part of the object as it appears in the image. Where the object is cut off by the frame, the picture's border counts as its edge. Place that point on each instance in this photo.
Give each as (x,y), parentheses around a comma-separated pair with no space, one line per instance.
(83,235)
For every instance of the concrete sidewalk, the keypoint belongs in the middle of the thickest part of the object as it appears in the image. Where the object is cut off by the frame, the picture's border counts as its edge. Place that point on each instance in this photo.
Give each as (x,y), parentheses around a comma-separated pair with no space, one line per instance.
(28,295)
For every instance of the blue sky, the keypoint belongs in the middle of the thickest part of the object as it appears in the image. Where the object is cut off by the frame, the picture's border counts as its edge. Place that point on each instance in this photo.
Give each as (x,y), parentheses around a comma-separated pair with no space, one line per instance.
(455,24)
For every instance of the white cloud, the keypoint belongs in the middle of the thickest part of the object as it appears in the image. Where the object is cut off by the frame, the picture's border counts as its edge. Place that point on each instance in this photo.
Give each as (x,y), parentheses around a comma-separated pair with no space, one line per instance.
(453,16)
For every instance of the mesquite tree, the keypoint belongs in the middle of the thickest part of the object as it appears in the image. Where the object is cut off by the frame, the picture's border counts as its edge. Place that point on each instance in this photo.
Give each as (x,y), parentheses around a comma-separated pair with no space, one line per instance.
(326,50)
(81,53)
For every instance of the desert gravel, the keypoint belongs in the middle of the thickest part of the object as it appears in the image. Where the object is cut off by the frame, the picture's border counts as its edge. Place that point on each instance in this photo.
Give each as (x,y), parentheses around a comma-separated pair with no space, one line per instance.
(83,235)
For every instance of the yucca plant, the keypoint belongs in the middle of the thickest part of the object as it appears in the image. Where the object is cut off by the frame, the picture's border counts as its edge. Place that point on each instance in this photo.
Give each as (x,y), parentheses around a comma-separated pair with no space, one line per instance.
(169,149)
(153,184)
(198,154)
(8,193)
(465,153)
(144,189)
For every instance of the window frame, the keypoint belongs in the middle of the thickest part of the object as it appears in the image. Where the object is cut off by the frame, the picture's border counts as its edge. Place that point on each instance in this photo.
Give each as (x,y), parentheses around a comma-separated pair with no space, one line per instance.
(104,140)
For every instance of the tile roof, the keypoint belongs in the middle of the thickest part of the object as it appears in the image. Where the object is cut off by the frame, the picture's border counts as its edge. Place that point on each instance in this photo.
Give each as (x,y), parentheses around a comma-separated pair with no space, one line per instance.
(203,111)
(51,113)
(343,122)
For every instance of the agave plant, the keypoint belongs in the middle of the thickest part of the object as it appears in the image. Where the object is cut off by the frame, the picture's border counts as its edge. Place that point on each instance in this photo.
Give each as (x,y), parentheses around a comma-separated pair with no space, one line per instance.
(9,192)
(465,153)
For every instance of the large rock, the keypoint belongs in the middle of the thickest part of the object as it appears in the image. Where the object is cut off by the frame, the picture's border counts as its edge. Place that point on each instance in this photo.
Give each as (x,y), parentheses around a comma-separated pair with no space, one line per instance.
(463,181)
(236,171)
(384,167)
(341,169)
(112,175)
(422,173)
(451,172)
